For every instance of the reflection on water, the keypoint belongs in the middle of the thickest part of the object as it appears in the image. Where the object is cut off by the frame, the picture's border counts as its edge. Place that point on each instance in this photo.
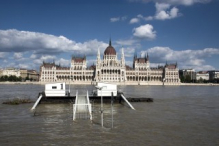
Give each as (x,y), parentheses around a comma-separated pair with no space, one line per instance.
(179,115)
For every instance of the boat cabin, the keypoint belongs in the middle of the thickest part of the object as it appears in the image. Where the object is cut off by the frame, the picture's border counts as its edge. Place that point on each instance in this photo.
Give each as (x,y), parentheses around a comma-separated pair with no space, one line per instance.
(55,89)
(105,89)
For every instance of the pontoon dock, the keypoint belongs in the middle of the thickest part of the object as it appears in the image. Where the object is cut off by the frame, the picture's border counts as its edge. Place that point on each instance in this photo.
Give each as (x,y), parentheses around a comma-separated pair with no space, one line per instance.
(57,93)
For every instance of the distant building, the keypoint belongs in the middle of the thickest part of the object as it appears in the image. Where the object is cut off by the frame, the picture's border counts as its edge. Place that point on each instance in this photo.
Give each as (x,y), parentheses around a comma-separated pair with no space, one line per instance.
(188,72)
(110,69)
(23,73)
(171,73)
(11,72)
(1,72)
(213,75)
(202,75)
(29,75)
(33,75)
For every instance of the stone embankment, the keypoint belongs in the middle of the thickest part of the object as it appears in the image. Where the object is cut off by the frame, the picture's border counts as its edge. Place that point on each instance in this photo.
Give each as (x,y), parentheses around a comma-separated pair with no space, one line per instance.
(118,83)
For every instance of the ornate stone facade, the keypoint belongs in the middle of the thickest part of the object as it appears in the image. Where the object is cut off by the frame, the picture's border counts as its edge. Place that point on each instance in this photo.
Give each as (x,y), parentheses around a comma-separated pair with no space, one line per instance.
(110,69)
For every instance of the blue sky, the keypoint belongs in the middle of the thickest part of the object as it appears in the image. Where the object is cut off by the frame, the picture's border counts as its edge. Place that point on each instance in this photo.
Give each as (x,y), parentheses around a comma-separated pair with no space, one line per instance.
(182,31)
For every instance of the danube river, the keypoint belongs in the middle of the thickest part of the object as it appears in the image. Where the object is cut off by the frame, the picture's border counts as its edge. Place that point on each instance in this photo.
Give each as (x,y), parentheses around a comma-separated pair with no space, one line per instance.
(179,115)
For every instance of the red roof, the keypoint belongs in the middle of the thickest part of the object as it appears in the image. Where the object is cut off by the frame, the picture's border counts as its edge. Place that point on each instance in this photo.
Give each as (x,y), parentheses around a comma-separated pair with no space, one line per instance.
(128,67)
(48,64)
(62,68)
(78,59)
(110,51)
(141,60)
(92,67)
(171,66)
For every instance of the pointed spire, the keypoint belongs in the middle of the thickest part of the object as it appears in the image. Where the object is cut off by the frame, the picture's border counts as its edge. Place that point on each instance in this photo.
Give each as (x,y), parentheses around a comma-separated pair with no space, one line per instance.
(176,64)
(166,62)
(147,56)
(122,51)
(135,56)
(110,44)
(122,55)
(98,53)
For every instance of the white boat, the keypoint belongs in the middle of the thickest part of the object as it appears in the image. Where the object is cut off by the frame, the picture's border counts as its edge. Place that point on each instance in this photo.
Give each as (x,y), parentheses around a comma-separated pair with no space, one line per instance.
(105,89)
(56,90)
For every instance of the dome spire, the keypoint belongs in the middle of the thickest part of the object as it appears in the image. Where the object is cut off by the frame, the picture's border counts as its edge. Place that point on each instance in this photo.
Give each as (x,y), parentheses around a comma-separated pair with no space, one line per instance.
(110,50)
(110,42)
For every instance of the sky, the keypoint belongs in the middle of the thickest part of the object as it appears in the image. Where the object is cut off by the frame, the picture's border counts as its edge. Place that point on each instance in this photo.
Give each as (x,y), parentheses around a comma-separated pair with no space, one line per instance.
(37,31)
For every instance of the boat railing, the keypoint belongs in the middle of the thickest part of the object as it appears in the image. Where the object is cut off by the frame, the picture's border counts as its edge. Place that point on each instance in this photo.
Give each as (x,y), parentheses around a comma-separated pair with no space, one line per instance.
(75,106)
(89,106)
(82,107)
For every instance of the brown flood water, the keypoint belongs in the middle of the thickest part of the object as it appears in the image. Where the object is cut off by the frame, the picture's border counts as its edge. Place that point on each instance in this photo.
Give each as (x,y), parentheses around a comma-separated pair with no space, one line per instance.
(179,115)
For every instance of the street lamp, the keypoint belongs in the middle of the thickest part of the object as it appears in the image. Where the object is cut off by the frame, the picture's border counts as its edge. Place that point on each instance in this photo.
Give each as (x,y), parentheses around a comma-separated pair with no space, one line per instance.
(101,110)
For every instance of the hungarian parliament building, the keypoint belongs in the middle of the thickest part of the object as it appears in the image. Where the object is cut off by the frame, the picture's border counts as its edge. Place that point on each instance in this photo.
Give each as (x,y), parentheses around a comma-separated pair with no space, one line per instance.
(110,69)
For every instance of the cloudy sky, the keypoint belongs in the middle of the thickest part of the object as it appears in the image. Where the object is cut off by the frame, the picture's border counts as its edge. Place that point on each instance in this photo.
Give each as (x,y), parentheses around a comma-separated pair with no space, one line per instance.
(182,31)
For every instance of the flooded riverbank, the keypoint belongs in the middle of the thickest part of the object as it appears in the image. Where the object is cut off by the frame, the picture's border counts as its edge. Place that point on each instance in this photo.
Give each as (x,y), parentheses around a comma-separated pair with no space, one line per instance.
(179,115)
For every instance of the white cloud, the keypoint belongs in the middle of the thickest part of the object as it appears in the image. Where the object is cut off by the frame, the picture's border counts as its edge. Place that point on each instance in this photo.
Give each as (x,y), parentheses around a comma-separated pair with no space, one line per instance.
(123,18)
(134,20)
(129,46)
(174,2)
(63,62)
(3,55)
(139,18)
(161,6)
(33,56)
(18,55)
(129,51)
(162,12)
(185,58)
(128,42)
(149,18)
(115,19)
(20,41)
(166,9)
(129,63)
(144,32)
(41,47)
(47,57)
(183,2)
(23,65)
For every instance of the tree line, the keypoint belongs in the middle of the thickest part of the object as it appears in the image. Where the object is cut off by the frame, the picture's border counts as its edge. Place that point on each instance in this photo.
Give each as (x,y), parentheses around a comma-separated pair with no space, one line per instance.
(187,79)
(10,78)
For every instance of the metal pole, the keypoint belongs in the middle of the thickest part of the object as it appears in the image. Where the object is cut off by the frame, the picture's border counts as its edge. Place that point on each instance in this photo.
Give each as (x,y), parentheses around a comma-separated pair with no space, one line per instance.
(101,109)
(112,108)
(69,80)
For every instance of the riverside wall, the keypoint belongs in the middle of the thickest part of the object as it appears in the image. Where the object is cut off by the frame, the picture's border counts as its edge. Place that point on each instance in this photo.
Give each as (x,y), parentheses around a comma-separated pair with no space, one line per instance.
(119,83)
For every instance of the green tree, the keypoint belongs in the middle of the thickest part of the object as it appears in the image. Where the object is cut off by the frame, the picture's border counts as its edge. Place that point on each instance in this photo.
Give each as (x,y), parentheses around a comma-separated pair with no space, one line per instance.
(182,79)
(19,79)
(200,80)
(27,78)
(187,78)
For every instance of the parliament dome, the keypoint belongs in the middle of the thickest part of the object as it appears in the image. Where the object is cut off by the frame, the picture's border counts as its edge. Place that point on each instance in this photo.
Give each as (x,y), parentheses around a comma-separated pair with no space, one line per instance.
(110,50)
